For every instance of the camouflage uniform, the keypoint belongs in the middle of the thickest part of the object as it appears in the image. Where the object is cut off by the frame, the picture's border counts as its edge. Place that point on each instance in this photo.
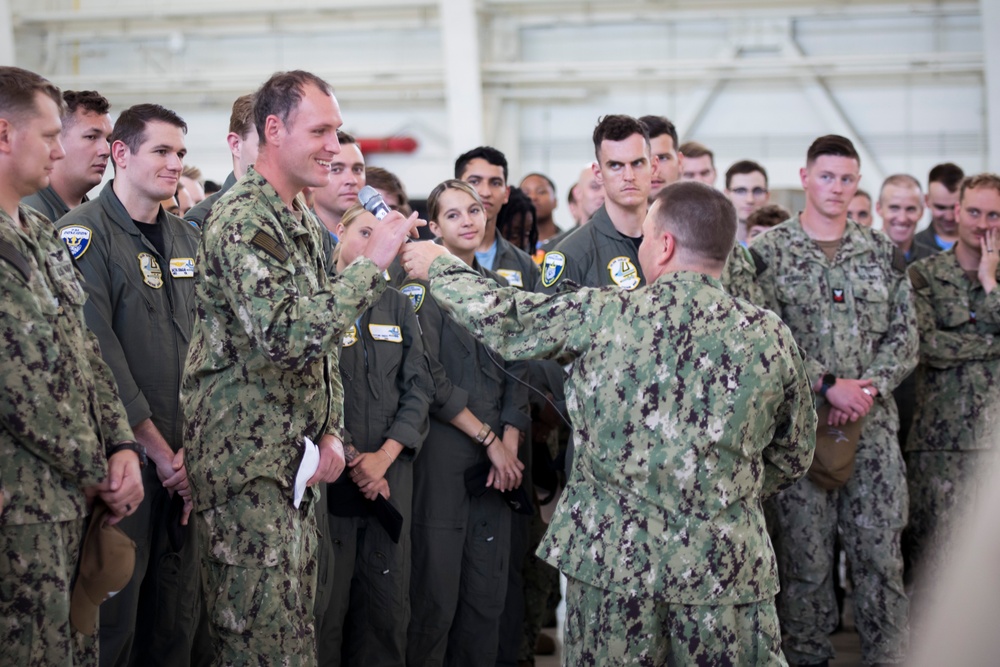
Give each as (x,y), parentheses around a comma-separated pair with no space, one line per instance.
(688,406)
(958,389)
(852,317)
(59,412)
(383,362)
(141,308)
(739,278)
(461,542)
(262,376)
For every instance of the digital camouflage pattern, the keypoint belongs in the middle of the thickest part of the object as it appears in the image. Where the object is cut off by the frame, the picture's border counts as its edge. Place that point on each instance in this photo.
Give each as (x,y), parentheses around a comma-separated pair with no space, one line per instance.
(739,278)
(958,394)
(59,411)
(687,407)
(603,629)
(262,376)
(958,380)
(852,317)
(262,367)
(259,577)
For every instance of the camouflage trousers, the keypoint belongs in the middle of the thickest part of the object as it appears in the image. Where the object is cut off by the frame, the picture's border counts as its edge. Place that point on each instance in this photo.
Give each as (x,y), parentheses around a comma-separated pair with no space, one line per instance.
(258,560)
(37,565)
(942,485)
(607,628)
(870,512)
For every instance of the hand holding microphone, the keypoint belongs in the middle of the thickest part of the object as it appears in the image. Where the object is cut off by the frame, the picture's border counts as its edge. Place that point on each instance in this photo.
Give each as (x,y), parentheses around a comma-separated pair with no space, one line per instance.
(387,239)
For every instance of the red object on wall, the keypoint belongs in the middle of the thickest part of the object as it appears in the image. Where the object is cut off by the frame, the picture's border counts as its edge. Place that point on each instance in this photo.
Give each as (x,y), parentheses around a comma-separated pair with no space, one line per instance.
(399,144)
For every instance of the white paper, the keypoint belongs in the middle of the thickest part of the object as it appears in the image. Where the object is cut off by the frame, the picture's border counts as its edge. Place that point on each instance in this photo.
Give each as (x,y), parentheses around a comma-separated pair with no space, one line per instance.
(308,467)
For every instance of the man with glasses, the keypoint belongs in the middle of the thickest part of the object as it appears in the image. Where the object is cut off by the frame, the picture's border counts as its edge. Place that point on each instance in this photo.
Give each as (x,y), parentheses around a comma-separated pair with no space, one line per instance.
(746,187)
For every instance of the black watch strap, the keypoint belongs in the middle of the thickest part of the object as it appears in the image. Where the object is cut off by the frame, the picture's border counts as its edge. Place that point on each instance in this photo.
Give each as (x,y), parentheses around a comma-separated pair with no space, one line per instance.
(133,446)
(826,382)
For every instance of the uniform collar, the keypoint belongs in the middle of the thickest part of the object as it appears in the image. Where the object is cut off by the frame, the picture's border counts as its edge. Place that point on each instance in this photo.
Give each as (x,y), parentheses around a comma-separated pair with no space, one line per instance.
(294,224)
(855,241)
(687,277)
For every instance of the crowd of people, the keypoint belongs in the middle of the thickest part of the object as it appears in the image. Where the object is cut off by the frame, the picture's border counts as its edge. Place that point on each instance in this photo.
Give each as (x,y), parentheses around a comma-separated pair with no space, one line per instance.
(326,443)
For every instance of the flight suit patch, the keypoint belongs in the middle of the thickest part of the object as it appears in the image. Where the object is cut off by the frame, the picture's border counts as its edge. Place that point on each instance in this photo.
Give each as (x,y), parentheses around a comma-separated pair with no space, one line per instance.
(350,337)
(182,267)
(623,273)
(416,293)
(151,273)
(512,277)
(388,332)
(552,268)
(77,239)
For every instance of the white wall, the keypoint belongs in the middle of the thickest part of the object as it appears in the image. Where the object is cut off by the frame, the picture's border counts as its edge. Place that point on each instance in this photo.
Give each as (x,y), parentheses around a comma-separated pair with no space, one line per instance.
(906,78)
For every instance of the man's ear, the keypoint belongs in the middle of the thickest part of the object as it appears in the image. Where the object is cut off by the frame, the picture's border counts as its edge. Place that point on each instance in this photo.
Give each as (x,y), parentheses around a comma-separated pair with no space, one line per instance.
(272,129)
(597,173)
(667,247)
(120,153)
(6,130)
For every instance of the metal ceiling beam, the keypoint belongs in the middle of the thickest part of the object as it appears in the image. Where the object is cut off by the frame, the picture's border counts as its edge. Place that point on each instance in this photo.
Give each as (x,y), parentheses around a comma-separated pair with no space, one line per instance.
(462,74)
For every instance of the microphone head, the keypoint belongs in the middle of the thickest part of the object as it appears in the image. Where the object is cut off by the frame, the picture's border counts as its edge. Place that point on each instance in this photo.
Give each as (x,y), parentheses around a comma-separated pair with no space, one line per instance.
(373,202)
(366,194)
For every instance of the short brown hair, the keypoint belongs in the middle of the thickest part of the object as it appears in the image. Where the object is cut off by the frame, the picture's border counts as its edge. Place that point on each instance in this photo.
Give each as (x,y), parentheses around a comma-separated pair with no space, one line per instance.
(770,215)
(88,100)
(984,180)
(18,89)
(695,149)
(281,94)
(433,199)
(900,181)
(831,144)
(617,127)
(241,118)
(701,219)
(130,126)
(744,167)
(383,179)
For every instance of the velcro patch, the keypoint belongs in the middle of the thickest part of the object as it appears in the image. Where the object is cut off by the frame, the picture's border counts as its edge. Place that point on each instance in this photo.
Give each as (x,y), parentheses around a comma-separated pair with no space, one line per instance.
(387,332)
(77,239)
(350,337)
(416,292)
(512,277)
(552,268)
(11,255)
(623,273)
(270,245)
(182,267)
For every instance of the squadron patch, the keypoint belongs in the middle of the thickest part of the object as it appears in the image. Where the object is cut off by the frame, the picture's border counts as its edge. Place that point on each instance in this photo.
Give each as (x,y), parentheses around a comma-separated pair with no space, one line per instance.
(151,273)
(182,267)
(350,337)
(416,292)
(385,274)
(623,273)
(77,239)
(387,332)
(552,268)
(512,277)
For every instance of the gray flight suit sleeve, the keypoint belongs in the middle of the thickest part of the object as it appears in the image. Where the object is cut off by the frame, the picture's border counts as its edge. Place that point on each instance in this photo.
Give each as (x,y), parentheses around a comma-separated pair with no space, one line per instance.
(410,424)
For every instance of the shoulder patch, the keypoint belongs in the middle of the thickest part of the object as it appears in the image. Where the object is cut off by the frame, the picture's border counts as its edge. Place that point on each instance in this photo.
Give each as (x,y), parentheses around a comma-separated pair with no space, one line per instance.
(917,279)
(758,262)
(12,256)
(270,245)
(416,294)
(552,268)
(898,260)
(350,337)
(77,239)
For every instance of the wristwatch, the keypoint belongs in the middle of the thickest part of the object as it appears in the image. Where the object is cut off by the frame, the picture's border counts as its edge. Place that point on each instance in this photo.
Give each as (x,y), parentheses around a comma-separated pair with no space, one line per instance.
(135,447)
(826,382)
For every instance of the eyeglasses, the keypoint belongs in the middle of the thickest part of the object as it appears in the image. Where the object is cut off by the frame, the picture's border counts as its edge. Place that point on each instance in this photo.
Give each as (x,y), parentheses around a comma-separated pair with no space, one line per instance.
(756,192)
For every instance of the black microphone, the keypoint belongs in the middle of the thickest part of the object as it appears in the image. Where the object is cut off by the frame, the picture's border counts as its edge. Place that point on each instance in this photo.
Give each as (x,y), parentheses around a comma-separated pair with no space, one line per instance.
(373,202)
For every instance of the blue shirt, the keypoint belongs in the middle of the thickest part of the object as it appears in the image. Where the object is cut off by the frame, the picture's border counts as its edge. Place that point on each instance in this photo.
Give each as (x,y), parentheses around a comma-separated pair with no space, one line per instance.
(487,258)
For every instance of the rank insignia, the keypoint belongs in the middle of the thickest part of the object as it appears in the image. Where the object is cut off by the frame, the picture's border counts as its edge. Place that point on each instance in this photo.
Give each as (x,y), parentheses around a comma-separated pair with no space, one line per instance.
(972,316)
(552,268)
(416,292)
(838,295)
(151,273)
(77,240)
(623,273)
